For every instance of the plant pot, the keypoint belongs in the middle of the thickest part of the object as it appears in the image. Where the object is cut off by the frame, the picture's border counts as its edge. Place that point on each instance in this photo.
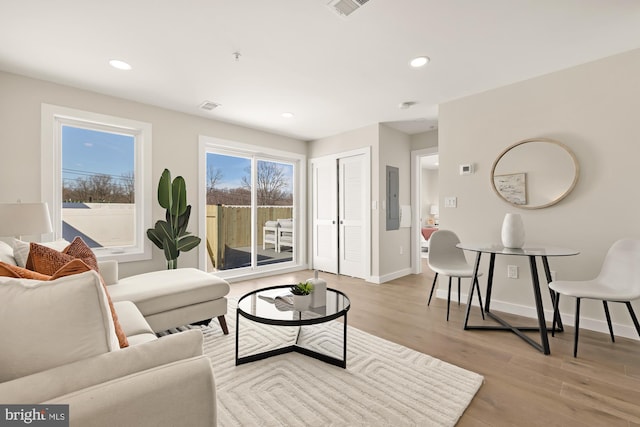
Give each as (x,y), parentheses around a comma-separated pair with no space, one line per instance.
(301,302)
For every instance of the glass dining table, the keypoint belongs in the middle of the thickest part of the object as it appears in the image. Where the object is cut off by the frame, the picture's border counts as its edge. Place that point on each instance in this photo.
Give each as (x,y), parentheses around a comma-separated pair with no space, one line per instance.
(532,252)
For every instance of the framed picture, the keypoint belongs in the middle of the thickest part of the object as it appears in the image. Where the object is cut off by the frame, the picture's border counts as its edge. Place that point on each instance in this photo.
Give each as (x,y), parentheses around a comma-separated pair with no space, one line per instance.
(513,187)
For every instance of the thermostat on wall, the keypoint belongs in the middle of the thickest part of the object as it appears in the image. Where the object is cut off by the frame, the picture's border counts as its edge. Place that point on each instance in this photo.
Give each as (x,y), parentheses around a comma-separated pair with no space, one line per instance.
(466,169)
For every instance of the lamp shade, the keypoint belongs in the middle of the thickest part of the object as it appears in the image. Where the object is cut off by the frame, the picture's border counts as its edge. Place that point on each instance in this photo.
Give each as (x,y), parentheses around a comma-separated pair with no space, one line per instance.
(18,219)
(434,210)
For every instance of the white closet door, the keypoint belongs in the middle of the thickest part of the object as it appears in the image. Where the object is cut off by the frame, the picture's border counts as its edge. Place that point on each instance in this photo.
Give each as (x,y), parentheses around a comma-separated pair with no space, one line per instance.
(351,211)
(325,211)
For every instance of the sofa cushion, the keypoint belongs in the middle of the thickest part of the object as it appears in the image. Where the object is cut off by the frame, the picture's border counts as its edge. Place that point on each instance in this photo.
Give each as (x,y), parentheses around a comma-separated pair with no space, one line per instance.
(166,290)
(133,323)
(50,323)
(47,260)
(21,249)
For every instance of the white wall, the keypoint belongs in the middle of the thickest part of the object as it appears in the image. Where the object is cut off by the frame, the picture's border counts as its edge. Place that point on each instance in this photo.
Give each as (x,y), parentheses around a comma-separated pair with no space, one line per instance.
(395,245)
(175,145)
(593,109)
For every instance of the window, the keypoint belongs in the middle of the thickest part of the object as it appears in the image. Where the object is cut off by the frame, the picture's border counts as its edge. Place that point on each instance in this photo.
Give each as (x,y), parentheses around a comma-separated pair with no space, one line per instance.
(251,197)
(95,170)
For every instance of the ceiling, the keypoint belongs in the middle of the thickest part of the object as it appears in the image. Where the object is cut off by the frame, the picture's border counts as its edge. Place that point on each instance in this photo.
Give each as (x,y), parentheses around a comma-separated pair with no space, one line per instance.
(335,74)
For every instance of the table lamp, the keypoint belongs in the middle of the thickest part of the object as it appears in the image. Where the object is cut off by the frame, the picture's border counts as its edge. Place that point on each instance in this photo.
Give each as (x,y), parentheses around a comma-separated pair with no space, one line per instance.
(24,219)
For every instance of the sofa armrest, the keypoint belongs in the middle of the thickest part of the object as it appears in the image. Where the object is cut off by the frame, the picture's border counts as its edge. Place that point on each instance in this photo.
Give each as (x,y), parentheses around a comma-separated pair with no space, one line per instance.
(181,393)
(52,383)
(109,271)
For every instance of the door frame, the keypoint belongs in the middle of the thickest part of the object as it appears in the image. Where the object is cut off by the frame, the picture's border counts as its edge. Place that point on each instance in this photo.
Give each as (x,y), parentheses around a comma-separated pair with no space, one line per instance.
(366,209)
(416,195)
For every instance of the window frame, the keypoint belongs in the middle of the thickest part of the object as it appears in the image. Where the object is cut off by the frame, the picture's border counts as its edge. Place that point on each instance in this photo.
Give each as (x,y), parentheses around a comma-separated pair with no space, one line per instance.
(255,153)
(53,118)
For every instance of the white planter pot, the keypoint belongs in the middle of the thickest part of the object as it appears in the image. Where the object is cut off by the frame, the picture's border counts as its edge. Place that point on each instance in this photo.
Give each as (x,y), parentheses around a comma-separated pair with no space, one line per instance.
(301,302)
(512,231)
(319,294)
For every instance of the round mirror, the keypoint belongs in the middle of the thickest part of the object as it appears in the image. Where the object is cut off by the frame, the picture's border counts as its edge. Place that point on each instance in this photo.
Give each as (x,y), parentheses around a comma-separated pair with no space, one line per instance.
(534,173)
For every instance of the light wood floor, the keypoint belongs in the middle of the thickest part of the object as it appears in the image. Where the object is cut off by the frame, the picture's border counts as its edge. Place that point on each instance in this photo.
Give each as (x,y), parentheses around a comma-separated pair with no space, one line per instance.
(522,386)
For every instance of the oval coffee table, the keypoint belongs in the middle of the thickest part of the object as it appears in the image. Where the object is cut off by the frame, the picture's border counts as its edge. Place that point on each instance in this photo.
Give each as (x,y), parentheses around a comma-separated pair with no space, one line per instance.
(261,306)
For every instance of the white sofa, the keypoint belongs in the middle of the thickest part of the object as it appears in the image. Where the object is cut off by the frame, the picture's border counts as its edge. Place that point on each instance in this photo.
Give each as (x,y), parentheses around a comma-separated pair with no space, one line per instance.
(58,346)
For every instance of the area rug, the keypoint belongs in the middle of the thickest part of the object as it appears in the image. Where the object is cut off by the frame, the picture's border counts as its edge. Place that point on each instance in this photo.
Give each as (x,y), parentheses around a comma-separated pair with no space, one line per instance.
(385,384)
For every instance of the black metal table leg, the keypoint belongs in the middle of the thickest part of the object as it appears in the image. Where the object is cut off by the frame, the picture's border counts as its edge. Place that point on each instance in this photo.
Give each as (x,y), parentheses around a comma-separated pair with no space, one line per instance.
(540,310)
(557,318)
(470,297)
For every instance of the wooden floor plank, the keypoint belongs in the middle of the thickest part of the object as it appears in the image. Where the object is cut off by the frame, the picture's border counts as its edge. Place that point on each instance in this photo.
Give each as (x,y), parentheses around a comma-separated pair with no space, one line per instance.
(522,386)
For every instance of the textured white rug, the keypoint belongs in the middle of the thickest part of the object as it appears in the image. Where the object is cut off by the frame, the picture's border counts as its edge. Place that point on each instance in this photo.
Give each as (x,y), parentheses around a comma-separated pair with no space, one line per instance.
(385,384)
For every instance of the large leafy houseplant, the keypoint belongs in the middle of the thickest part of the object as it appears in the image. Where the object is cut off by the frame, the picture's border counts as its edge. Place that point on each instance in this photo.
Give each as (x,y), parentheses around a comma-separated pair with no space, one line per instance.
(171,235)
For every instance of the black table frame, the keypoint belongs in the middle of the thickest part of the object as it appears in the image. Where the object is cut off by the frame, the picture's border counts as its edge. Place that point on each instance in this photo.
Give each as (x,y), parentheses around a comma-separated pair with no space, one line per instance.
(543,345)
(294,322)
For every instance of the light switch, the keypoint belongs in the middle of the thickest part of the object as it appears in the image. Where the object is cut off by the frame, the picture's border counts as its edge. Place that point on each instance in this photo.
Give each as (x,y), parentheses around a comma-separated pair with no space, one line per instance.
(450,202)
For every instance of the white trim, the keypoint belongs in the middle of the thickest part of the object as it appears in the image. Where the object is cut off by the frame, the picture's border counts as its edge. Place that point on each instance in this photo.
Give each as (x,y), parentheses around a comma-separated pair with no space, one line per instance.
(416,194)
(366,151)
(53,117)
(390,276)
(255,152)
(568,319)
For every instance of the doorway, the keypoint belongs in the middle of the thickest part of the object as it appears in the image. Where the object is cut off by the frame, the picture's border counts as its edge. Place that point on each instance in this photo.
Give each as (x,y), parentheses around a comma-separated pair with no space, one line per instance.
(425,199)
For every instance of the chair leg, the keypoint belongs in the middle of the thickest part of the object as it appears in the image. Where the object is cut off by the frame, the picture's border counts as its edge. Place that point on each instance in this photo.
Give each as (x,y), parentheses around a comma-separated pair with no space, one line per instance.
(577,326)
(606,313)
(459,290)
(435,279)
(556,313)
(449,298)
(633,316)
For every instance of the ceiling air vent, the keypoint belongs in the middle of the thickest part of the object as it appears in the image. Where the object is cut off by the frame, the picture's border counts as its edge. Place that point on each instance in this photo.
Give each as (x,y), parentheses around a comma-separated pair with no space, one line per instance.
(345,8)
(209,105)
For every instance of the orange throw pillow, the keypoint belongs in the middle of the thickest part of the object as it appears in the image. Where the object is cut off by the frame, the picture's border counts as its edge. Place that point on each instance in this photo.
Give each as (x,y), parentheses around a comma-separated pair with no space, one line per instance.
(48,261)
(9,270)
(79,249)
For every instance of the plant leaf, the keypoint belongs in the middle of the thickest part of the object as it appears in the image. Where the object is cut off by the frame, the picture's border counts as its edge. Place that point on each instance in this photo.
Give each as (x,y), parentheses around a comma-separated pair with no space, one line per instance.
(179,196)
(164,190)
(170,250)
(186,243)
(152,234)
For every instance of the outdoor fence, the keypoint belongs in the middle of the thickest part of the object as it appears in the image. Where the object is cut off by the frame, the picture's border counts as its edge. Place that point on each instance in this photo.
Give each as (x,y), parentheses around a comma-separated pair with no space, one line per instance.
(230,227)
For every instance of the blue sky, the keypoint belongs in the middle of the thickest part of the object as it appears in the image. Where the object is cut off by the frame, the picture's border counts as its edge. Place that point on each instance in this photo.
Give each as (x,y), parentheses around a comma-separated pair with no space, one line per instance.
(86,152)
(233,168)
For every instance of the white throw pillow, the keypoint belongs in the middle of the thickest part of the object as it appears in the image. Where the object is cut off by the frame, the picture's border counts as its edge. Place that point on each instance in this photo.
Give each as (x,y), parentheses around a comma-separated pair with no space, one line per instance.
(6,253)
(21,249)
(52,323)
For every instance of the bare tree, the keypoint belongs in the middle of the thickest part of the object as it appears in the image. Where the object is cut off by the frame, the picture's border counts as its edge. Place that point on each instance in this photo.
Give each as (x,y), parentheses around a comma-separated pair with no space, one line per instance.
(128,186)
(214,175)
(271,184)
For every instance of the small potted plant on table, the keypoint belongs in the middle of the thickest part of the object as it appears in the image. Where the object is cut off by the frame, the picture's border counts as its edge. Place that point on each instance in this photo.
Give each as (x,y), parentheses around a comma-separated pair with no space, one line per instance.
(301,295)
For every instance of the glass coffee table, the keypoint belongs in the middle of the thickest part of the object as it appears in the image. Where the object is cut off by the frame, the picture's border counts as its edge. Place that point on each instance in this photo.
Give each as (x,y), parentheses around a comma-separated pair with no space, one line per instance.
(261,306)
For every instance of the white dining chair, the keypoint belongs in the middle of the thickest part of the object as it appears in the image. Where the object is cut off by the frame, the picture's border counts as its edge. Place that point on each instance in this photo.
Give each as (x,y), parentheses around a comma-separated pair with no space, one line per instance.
(618,281)
(447,259)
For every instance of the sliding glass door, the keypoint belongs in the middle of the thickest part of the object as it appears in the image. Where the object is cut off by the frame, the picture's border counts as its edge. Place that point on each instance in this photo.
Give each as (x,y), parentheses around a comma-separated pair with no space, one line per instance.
(251,206)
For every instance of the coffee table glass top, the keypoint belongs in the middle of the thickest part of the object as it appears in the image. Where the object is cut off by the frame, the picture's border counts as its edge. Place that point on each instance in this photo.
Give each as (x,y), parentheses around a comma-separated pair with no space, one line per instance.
(262,306)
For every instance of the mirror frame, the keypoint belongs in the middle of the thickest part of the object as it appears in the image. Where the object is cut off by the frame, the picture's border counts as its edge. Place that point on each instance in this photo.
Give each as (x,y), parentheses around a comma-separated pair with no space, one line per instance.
(548,140)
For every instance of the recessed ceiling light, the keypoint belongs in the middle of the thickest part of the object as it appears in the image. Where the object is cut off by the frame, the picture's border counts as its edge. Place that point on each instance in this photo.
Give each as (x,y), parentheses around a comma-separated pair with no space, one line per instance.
(120,65)
(420,61)
(287,115)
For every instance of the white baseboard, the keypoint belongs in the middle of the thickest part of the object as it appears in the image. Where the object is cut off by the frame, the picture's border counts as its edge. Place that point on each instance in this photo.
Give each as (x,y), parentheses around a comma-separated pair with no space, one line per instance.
(387,277)
(530,312)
